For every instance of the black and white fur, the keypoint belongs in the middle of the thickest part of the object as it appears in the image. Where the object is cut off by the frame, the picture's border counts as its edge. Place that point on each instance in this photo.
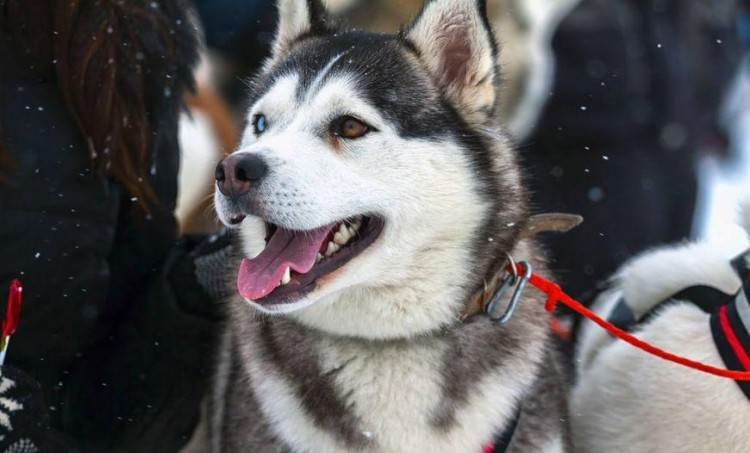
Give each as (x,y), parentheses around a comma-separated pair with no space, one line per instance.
(628,401)
(375,358)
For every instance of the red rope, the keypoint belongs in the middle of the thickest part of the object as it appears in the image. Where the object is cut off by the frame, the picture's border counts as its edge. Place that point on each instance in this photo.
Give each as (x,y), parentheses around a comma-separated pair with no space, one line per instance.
(555,294)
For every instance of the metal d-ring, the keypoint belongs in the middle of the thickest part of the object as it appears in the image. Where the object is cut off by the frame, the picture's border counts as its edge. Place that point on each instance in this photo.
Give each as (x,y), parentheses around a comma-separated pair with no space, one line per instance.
(510,280)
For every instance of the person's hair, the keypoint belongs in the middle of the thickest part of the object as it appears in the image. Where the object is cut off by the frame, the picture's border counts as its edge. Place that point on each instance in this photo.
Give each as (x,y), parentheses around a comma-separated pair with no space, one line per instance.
(115,62)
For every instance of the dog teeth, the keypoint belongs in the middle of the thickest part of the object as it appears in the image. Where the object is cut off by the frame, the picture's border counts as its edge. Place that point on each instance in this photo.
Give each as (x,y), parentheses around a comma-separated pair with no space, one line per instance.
(318,258)
(353,228)
(287,276)
(342,236)
(332,248)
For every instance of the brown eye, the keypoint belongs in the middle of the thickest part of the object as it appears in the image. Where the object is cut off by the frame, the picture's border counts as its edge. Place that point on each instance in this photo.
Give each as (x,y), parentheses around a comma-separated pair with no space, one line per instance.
(349,127)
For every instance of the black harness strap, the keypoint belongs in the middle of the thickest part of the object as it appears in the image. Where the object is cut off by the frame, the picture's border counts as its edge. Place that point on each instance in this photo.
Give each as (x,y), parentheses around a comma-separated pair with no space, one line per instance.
(704,297)
(503,442)
(731,324)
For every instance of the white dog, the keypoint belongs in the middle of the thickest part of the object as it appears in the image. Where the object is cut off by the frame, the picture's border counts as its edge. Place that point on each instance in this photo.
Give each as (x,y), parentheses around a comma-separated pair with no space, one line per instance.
(375,196)
(627,401)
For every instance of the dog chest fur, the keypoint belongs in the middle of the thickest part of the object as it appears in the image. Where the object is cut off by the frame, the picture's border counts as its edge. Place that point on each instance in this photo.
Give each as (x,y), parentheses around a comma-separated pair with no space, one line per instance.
(451,391)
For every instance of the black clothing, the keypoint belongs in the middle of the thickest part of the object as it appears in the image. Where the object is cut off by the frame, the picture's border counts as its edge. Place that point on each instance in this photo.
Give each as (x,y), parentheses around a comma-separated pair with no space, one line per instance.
(636,90)
(58,228)
(109,325)
(26,423)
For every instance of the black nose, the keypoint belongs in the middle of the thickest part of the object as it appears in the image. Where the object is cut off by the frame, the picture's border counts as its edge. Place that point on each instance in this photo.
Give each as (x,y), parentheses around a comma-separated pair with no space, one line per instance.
(236,174)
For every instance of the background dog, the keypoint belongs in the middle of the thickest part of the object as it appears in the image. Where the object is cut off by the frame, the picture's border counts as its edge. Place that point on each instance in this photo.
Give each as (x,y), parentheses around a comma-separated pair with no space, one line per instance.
(628,401)
(375,195)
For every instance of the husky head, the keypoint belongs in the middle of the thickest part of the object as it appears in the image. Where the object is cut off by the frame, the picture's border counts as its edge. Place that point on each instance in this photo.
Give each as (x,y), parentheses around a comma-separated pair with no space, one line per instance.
(372,188)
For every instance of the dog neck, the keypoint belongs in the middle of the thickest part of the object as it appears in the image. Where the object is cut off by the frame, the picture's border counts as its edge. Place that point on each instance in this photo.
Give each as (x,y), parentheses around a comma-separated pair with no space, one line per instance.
(541,223)
(449,390)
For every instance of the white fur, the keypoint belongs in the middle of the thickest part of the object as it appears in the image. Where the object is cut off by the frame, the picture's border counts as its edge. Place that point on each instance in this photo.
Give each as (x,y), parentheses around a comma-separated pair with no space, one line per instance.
(315,85)
(278,100)
(653,277)
(285,413)
(294,20)
(628,401)
(402,383)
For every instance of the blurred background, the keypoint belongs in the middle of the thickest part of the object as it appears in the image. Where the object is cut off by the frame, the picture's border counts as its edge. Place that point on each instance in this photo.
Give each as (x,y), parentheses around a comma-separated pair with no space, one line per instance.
(630,113)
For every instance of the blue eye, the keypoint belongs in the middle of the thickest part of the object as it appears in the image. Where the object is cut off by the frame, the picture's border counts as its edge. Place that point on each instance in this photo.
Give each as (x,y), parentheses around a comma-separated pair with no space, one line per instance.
(259,123)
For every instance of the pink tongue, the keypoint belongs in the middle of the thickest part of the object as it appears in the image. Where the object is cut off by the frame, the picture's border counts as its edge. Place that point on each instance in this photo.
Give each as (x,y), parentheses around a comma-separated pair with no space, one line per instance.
(297,250)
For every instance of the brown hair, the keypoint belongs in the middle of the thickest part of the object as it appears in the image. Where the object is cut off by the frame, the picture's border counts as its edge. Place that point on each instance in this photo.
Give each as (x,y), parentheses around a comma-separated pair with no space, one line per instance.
(116,63)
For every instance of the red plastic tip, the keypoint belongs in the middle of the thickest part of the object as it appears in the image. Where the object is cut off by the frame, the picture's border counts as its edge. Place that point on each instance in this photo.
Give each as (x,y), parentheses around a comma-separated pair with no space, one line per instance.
(12,309)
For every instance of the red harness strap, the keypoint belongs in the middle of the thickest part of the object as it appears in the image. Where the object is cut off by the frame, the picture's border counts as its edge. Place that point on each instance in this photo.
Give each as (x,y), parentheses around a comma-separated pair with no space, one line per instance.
(734,342)
(555,294)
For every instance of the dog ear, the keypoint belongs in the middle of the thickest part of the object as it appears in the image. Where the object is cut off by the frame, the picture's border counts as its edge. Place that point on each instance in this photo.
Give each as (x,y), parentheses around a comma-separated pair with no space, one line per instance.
(298,18)
(456,43)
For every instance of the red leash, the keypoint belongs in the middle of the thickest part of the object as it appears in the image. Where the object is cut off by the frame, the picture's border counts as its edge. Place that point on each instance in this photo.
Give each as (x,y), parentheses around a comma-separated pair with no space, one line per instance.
(555,294)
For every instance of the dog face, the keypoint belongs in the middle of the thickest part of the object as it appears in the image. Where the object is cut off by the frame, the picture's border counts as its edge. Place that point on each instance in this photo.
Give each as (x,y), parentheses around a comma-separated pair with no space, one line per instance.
(371,187)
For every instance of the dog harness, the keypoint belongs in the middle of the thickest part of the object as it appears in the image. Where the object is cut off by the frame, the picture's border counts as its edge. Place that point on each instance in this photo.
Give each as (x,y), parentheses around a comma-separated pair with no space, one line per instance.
(729,317)
(502,443)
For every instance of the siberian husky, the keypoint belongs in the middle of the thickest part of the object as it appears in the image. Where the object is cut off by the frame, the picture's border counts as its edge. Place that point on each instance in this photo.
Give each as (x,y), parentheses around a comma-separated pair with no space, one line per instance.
(627,401)
(375,196)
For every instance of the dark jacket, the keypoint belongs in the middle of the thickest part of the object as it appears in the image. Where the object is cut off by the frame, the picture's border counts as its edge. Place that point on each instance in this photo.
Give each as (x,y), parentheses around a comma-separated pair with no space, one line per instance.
(104,329)
(636,91)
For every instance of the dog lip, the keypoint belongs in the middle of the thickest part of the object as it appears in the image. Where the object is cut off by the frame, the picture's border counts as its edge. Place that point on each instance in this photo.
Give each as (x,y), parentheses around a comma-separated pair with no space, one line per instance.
(236,219)
(303,284)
